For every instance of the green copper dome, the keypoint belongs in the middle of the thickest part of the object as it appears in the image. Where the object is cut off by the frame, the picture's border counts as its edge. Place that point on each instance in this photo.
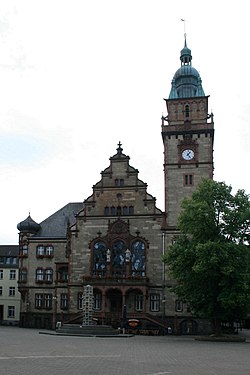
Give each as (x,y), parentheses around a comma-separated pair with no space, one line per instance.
(187,81)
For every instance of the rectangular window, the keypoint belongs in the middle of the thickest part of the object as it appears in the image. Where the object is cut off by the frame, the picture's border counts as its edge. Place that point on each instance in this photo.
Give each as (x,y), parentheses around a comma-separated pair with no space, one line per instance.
(62,274)
(97,301)
(12,291)
(8,260)
(154,302)
(23,275)
(12,274)
(48,301)
(49,251)
(139,302)
(48,275)
(39,301)
(80,301)
(1,290)
(1,274)
(64,301)
(24,251)
(40,251)
(11,311)
(39,275)
(188,179)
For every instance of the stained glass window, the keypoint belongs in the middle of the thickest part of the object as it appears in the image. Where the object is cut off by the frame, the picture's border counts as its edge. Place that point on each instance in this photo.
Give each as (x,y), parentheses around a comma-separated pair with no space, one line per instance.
(138,258)
(99,259)
(118,258)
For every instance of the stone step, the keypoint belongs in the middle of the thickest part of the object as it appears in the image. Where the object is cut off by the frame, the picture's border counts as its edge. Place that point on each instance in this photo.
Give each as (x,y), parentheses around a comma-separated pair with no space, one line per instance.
(102,330)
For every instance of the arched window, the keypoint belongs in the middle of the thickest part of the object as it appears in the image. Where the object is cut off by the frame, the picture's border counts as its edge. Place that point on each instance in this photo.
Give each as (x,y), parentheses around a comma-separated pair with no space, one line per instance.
(99,259)
(131,210)
(125,210)
(187,110)
(138,258)
(106,210)
(113,210)
(118,258)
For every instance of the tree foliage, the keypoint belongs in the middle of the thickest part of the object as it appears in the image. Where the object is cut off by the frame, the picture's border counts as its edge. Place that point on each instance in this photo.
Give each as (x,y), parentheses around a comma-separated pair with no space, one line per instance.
(210,259)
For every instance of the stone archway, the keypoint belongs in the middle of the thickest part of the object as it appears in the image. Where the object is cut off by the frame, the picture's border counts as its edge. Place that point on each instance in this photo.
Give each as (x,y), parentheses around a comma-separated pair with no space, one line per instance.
(114,300)
(114,307)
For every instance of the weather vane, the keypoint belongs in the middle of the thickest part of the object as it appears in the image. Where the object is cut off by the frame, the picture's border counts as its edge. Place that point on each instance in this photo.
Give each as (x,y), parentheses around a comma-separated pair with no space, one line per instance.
(184,22)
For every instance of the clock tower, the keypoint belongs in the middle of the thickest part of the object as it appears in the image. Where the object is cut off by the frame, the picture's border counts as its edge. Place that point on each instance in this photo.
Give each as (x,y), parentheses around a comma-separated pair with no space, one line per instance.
(187,133)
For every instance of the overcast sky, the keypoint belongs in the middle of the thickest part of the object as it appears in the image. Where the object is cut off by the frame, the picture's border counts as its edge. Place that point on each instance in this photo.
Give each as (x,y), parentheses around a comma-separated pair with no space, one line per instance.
(78,76)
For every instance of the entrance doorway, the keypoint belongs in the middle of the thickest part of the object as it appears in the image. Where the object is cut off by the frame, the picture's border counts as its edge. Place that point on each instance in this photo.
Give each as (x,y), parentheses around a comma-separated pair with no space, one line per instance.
(114,307)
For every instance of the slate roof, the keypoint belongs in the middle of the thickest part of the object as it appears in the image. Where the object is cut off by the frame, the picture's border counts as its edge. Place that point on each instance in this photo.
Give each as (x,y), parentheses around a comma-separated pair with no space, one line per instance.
(9,250)
(56,224)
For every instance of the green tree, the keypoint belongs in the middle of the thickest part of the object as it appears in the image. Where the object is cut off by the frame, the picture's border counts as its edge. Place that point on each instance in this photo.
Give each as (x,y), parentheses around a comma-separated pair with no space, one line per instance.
(210,259)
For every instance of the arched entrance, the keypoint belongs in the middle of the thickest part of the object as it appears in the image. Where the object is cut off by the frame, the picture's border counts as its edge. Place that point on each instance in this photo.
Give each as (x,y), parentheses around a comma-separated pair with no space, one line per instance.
(114,307)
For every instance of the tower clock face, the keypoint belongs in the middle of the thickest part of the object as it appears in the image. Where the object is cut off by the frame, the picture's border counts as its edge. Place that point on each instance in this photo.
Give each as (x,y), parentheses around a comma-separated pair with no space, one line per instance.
(188,154)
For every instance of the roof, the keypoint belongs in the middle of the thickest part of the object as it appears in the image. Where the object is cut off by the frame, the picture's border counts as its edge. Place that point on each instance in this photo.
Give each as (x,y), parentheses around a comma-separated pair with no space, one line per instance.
(56,225)
(9,250)
(187,81)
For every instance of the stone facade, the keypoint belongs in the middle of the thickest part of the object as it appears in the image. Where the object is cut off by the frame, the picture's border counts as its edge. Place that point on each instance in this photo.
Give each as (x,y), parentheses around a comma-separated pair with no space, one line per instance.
(9,295)
(115,239)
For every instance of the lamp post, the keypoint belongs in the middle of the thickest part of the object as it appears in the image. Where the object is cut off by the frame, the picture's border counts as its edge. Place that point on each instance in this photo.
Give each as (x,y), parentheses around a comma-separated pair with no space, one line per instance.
(54,299)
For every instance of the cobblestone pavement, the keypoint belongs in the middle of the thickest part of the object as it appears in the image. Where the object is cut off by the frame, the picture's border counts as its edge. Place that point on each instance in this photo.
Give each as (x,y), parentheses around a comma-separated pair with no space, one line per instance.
(25,351)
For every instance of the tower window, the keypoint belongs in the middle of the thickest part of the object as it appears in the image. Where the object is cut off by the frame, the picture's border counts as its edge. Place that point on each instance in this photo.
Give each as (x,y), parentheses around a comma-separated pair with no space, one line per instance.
(187,110)
(188,179)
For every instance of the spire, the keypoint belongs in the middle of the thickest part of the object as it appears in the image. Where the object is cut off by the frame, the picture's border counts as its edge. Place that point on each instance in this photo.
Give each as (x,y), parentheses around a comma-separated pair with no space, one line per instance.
(186,56)
(186,82)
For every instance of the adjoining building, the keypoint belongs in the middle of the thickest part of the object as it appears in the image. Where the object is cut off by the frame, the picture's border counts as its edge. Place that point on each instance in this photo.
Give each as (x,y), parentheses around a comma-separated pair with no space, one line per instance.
(115,239)
(9,294)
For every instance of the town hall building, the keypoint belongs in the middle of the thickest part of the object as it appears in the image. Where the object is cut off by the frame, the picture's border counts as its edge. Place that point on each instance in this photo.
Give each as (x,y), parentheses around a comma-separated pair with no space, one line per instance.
(115,239)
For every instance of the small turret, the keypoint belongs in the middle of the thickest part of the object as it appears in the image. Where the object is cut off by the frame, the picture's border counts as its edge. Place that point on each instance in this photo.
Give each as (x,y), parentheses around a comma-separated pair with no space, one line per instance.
(28,226)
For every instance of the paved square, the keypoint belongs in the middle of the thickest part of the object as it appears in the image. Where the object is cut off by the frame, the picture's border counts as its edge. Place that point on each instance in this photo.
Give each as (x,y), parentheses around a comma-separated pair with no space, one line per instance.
(25,351)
